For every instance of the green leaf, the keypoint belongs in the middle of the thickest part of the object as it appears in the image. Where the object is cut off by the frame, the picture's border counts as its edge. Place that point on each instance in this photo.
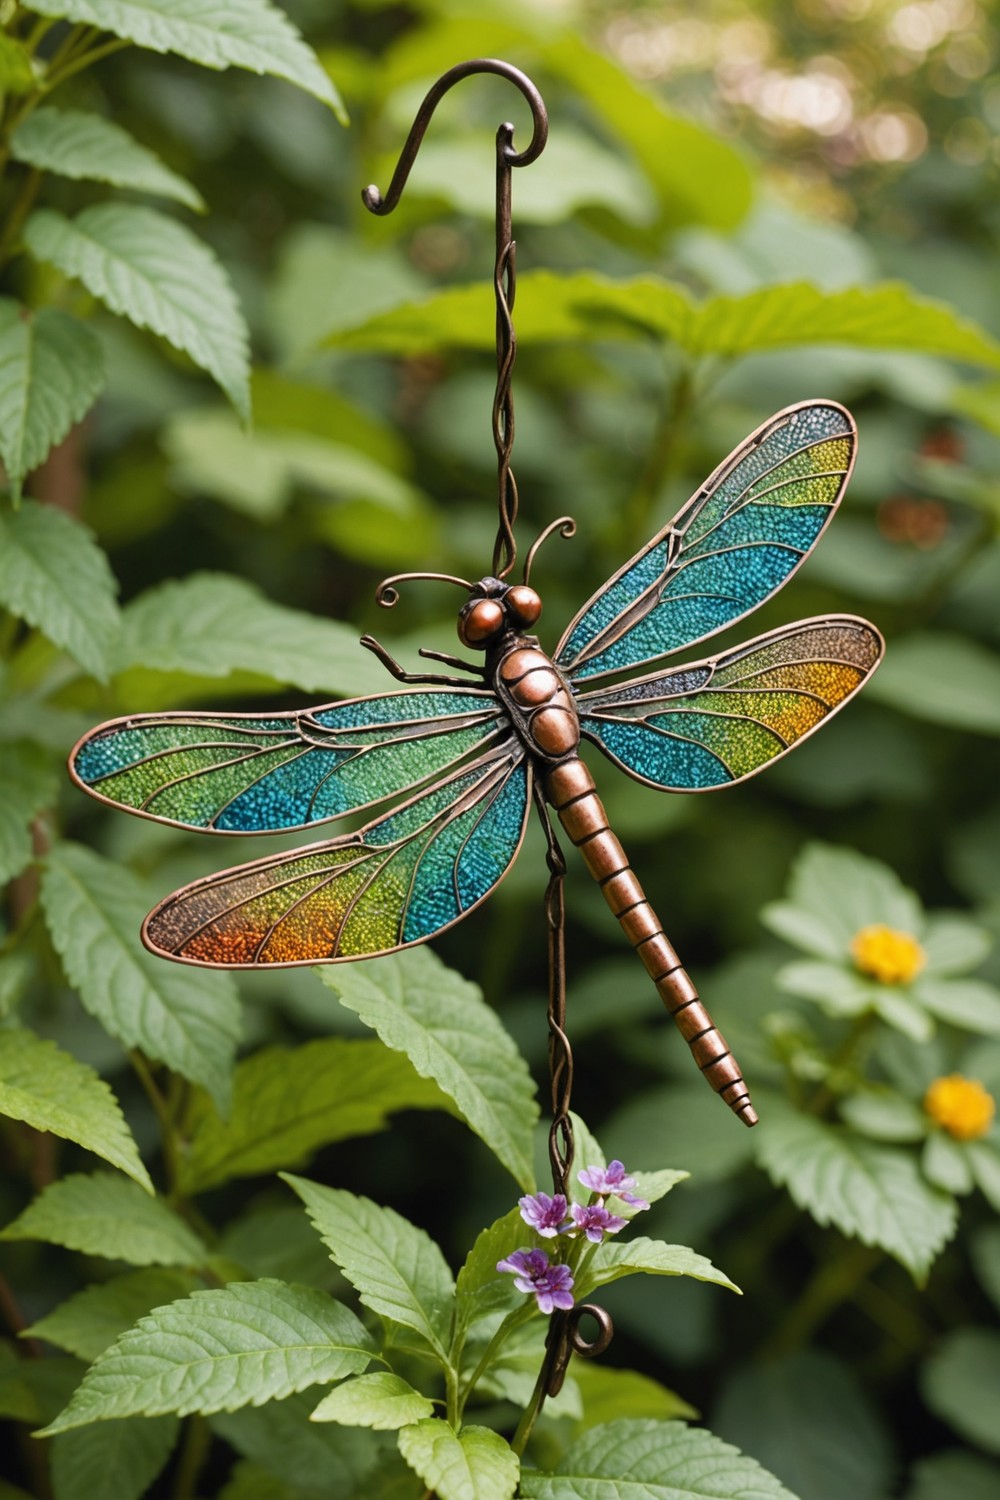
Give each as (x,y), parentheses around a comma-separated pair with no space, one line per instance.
(211,624)
(450,1034)
(27,787)
(182,1016)
(837,892)
(946,679)
(884,1115)
(946,1476)
(77,143)
(960,1381)
(288,1103)
(969,1003)
(953,944)
(873,1193)
(609,1394)
(475,1464)
(587,306)
(809,1419)
(313,1460)
(109,1216)
(50,1090)
(274,1238)
(248,1343)
(396,1268)
(480,1290)
(154,272)
(86,1323)
(648,1460)
(838,990)
(381,1400)
(251,34)
(896,1007)
(54,576)
(985,1250)
(51,373)
(945,1163)
(118,1458)
(984,1159)
(17,75)
(613,1260)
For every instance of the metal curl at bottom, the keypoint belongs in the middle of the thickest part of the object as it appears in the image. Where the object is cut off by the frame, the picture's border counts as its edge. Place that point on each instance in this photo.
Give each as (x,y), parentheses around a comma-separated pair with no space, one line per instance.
(565,1340)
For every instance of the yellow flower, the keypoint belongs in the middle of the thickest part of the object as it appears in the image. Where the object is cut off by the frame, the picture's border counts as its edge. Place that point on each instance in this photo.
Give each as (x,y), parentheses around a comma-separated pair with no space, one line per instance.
(889,956)
(961,1106)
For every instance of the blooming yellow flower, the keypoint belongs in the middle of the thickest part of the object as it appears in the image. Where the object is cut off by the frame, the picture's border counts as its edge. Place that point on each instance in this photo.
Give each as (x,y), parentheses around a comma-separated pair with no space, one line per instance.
(889,956)
(961,1106)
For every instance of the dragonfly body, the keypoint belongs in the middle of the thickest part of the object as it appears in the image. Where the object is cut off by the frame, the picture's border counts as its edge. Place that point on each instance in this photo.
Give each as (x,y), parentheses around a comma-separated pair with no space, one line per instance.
(542,708)
(449,765)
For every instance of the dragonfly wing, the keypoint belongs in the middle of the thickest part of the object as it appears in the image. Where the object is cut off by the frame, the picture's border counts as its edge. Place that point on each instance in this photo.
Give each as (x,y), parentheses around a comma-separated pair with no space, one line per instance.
(398,881)
(731,547)
(259,773)
(719,721)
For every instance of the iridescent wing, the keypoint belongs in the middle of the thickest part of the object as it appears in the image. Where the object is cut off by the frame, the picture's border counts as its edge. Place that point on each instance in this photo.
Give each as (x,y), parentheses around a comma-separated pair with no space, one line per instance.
(259,773)
(731,547)
(400,880)
(718,721)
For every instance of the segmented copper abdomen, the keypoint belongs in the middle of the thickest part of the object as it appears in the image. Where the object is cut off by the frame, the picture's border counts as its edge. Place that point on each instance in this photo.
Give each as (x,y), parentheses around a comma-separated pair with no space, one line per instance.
(542,702)
(570,788)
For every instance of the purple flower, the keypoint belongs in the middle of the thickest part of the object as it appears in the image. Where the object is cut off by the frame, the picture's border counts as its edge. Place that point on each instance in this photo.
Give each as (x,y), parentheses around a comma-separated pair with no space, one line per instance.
(595,1221)
(534,1272)
(612,1179)
(546,1215)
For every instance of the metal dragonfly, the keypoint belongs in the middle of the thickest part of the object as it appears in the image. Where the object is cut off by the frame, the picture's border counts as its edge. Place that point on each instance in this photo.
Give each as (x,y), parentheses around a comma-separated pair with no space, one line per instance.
(464,759)
(468,754)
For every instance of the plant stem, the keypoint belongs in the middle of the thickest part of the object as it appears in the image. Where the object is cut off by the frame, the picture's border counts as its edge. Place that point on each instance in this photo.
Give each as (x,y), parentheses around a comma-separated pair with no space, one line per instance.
(511,1321)
(164,1116)
(22,207)
(85,60)
(529,1416)
(194,1451)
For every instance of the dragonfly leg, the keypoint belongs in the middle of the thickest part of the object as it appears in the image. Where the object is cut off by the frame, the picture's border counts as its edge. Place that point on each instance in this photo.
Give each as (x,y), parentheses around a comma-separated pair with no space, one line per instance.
(401,674)
(452,661)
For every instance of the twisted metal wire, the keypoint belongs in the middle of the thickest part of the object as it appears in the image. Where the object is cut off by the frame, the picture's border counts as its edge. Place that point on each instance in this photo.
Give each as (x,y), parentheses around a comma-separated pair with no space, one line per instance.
(505,290)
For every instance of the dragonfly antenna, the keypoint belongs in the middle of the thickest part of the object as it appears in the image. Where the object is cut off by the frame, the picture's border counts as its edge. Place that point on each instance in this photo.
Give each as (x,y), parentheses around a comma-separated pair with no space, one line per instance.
(387,594)
(504,272)
(565,526)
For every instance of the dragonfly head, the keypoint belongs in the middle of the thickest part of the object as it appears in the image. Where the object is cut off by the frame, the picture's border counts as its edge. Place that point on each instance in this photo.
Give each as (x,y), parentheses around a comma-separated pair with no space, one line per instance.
(493,607)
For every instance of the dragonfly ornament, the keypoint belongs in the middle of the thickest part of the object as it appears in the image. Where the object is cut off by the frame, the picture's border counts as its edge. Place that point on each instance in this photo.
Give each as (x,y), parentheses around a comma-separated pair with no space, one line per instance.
(451,764)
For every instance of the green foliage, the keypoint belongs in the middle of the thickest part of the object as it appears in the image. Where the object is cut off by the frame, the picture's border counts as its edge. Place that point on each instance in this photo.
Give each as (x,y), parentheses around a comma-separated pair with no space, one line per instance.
(86,1323)
(105,1215)
(475,1464)
(50,1090)
(75,143)
(54,576)
(382,1401)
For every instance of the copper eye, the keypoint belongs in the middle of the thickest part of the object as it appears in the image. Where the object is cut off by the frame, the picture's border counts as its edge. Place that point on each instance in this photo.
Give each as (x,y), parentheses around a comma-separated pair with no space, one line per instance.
(480,621)
(523,604)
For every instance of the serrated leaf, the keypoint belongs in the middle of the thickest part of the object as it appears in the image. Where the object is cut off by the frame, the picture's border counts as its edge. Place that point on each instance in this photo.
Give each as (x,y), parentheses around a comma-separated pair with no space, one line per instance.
(835,892)
(250,34)
(287,1103)
(873,1193)
(381,1400)
(245,1344)
(946,1164)
(27,786)
(884,1115)
(313,1460)
(609,1394)
(648,1460)
(52,1091)
(585,305)
(480,1290)
(614,1259)
(984,1159)
(77,143)
(109,1216)
(420,1007)
(960,1381)
(211,624)
(86,1323)
(54,576)
(51,373)
(474,1464)
(118,1458)
(184,1017)
(276,1239)
(953,944)
(154,272)
(396,1268)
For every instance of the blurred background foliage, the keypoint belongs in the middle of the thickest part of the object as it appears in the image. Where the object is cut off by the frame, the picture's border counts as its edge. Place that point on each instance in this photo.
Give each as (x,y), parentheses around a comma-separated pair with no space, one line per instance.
(730,149)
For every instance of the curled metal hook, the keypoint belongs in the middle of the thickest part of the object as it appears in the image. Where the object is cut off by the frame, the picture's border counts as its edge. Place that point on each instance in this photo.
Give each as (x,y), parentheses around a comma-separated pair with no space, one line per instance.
(387,594)
(565,526)
(565,1340)
(373,198)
